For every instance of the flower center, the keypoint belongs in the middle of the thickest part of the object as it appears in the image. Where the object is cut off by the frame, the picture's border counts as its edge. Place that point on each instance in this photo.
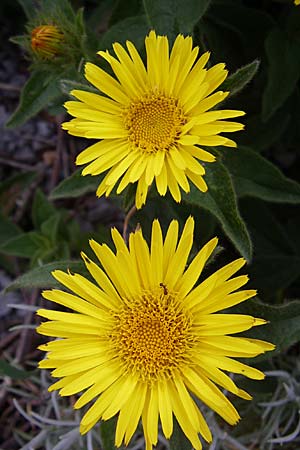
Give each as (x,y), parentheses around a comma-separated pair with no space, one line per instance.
(152,335)
(154,122)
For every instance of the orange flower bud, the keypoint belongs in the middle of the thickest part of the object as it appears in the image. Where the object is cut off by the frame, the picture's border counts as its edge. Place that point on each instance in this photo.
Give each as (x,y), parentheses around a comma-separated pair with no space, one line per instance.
(46,40)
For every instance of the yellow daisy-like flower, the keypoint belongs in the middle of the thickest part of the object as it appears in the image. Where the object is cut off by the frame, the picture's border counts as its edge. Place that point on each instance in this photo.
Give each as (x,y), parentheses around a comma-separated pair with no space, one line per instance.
(297,2)
(145,342)
(152,120)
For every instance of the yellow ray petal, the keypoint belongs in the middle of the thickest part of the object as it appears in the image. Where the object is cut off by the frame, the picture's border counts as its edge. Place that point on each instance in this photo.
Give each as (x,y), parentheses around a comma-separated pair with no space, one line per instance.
(178,261)
(184,420)
(156,253)
(191,275)
(150,415)
(170,244)
(100,376)
(97,101)
(162,181)
(73,302)
(97,150)
(165,407)
(130,414)
(105,83)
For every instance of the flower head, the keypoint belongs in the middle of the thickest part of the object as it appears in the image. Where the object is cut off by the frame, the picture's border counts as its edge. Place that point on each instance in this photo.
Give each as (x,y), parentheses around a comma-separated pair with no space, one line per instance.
(297,2)
(151,121)
(46,41)
(143,339)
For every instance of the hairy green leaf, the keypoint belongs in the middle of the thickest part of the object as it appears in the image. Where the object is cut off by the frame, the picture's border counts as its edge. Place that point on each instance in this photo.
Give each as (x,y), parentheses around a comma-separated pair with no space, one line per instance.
(276,262)
(13,372)
(24,245)
(107,432)
(75,186)
(37,93)
(283,328)
(283,54)
(28,7)
(261,135)
(220,200)
(49,228)
(255,176)
(8,229)
(238,80)
(42,209)
(132,28)
(40,277)
(174,16)
(178,440)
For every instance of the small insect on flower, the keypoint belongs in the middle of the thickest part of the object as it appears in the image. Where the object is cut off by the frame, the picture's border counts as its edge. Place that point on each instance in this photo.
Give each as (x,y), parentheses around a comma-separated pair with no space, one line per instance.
(165,289)
(153,120)
(46,41)
(144,340)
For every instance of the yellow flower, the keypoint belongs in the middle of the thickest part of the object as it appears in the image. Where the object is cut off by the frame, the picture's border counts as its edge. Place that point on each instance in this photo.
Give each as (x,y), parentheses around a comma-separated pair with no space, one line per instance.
(152,121)
(297,2)
(46,41)
(145,342)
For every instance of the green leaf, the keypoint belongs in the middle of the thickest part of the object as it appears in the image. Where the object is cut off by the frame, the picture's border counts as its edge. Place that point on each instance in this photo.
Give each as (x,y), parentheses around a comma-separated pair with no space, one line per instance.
(75,186)
(38,92)
(40,277)
(49,228)
(168,210)
(8,229)
(255,176)
(107,432)
(238,80)
(174,16)
(220,200)
(42,209)
(8,370)
(178,440)
(283,328)
(132,28)
(262,135)
(276,262)
(123,10)
(67,86)
(94,16)
(29,8)
(24,245)
(284,70)
(60,8)
(19,40)
(240,20)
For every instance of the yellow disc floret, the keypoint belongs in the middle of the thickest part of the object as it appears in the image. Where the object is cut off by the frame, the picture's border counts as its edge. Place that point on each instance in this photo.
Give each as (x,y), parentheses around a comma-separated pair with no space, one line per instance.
(152,335)
(154,122)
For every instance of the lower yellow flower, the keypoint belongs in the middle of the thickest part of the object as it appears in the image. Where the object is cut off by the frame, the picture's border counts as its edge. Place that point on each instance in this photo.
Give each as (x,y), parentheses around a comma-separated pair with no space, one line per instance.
(46,41)
(145,342)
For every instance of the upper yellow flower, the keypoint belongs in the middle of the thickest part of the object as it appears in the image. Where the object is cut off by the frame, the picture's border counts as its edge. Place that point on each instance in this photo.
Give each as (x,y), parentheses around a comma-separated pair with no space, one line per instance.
(297,2)
(144,341)
(46,41)
(152,120)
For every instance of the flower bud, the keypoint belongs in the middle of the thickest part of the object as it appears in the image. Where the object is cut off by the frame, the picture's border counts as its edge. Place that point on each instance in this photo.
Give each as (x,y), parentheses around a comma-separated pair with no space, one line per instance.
(46,41)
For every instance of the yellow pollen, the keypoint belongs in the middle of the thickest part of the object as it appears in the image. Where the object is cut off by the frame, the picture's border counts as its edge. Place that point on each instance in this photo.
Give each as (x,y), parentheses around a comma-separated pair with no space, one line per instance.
(152,335)
(154,122)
